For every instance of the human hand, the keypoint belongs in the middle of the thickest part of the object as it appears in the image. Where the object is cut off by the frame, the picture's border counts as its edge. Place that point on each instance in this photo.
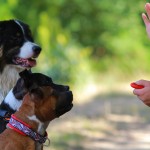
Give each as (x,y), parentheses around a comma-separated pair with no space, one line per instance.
(146,18)
(144,93)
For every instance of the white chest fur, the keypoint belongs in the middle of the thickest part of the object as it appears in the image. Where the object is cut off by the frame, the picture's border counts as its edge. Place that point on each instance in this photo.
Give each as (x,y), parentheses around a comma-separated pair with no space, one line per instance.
(8,79)
(12,101)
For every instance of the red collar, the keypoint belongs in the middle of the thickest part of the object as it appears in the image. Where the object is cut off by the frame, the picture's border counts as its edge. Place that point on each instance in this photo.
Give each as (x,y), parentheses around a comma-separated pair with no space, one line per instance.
(24,129)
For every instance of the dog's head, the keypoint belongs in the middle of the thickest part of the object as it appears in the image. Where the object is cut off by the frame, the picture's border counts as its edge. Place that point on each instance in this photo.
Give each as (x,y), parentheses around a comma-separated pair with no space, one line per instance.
(51,100)
(17,46)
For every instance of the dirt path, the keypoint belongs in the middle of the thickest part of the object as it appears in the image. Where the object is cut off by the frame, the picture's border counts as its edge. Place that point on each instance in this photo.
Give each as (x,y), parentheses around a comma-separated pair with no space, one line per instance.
(108,122)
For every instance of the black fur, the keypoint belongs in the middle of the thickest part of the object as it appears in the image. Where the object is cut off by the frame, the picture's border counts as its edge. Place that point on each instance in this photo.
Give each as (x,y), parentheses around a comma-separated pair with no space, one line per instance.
(11,40)
(17,52)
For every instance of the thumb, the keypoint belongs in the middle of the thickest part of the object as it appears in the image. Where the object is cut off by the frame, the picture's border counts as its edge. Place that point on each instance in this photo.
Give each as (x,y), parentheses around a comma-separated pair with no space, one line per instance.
(138,92)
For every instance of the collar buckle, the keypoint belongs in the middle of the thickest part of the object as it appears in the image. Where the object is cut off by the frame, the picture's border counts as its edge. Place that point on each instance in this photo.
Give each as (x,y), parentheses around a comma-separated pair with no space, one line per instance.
(24,129)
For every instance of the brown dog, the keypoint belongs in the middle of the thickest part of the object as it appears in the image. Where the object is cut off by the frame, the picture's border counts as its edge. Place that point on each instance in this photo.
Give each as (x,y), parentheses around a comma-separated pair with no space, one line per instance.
(27,127)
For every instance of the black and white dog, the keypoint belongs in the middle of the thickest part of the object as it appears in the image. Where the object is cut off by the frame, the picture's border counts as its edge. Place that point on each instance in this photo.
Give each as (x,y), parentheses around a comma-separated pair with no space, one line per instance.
(17,52)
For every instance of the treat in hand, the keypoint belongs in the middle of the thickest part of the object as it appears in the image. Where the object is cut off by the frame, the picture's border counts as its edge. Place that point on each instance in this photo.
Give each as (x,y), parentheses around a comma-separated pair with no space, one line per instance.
(136,86)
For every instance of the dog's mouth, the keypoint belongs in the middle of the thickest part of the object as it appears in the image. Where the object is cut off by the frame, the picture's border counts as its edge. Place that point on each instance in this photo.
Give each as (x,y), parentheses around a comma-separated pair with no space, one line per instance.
(65,103)
(25,62)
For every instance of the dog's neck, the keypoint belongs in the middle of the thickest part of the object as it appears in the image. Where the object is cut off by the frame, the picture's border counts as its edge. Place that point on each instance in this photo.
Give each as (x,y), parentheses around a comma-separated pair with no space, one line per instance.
(8,79)
(26,114)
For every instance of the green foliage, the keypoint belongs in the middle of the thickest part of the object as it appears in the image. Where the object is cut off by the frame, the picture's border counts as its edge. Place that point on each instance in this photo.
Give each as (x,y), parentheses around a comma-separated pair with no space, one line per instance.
(83,38)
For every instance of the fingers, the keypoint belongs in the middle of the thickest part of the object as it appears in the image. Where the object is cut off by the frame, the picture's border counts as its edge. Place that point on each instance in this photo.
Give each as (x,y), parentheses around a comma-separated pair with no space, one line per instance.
(146,88)
(145,83)
(138,92)
(147,8)
(145,19)
(144,93)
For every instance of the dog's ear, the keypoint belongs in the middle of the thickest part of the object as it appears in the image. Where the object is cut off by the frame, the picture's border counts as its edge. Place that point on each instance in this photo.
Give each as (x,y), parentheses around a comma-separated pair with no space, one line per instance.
(25,74)
(2,28)
(36,92)
(27,77)
(4,24)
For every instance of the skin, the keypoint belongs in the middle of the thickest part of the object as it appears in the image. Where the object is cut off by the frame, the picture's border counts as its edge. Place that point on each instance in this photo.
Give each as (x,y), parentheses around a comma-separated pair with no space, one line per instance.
(144,94)
(146,18)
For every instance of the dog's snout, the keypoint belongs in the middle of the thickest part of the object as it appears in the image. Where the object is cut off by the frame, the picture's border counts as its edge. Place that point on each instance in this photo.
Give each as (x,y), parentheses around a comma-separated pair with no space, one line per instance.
(70,95)
(36,50)
(64,103)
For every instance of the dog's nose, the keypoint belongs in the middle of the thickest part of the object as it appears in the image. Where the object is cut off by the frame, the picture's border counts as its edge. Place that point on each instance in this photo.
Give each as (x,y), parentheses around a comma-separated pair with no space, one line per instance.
(69,96)
(36,50)
(67,88)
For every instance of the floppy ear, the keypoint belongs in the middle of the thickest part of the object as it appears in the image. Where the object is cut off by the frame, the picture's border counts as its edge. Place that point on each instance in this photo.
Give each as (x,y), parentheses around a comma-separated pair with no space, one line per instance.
(36,93)
(27,77)
(30,84)
(2,30)
(2,26)
(25,74)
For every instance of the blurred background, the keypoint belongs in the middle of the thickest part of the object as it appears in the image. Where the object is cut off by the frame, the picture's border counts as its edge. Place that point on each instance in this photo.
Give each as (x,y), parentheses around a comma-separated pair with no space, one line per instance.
(97,47)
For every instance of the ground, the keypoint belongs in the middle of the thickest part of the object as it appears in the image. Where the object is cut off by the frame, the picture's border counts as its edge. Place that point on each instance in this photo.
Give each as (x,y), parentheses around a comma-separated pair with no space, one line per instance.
(114,121)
